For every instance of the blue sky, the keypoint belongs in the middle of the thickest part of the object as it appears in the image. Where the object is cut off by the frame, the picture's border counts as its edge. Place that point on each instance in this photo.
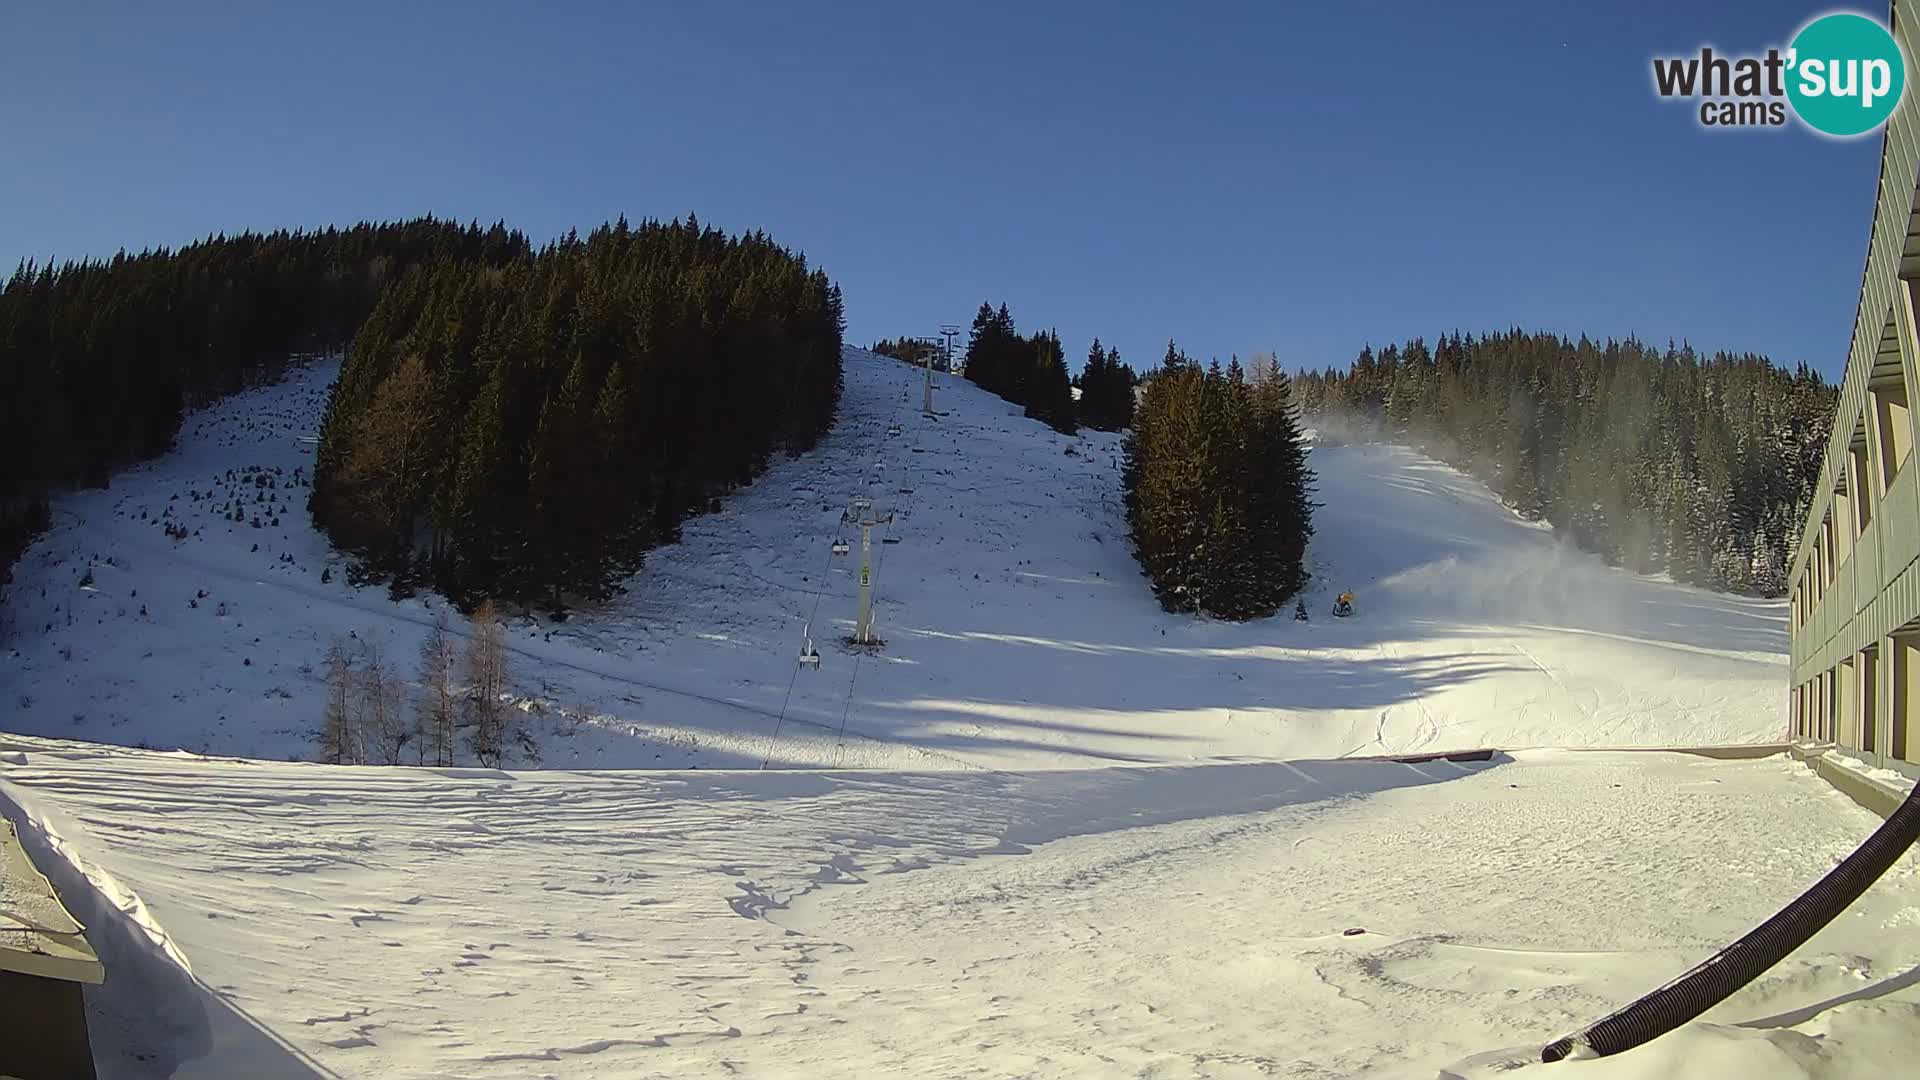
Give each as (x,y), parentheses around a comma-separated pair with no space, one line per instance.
(1302,178)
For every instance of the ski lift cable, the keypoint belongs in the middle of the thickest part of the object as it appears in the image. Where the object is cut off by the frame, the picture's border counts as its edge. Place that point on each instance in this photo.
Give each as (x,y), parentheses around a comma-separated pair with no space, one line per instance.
(840,742)
(853,680)
(806,642)
(793,681)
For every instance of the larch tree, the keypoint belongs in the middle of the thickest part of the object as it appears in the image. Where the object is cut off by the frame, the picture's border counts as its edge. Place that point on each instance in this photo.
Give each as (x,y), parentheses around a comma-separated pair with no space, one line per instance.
(389,724)
(438,706)
(339,731)
(486,669)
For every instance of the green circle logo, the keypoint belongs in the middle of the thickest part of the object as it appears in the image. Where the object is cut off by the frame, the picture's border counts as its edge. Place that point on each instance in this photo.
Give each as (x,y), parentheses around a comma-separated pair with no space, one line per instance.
(1845,74)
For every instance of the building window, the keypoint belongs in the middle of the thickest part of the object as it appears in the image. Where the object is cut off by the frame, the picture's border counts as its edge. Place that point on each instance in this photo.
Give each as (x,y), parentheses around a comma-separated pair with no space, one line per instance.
(1860,480)
(1899,718)
(1869,691)
(1842,520)
(1830,553)
(1830,702)
(1896,428)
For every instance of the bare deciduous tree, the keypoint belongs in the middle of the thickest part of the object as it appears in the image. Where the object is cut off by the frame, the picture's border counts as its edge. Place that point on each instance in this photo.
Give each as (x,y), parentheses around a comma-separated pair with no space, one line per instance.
(339,728)
(389,728)
(439,709)
(486,664)
(1262,367)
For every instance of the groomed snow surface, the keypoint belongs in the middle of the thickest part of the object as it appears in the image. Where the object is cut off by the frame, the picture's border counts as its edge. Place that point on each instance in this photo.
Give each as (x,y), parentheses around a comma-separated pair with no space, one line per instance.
(1059,832)
(1163,921)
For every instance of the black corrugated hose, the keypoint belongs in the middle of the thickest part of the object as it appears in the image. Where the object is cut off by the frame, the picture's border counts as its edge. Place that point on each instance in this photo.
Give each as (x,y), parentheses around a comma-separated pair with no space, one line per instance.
(1733,967)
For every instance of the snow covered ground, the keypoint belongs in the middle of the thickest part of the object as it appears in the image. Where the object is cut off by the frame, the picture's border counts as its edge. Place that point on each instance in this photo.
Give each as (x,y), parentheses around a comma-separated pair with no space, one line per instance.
(1161,921)
(1019,632)
(1057,832)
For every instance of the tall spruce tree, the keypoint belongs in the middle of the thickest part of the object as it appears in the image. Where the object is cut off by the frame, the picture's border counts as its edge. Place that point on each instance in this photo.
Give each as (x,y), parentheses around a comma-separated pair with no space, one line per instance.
(1049,391)
(1106,390)
(1217,490)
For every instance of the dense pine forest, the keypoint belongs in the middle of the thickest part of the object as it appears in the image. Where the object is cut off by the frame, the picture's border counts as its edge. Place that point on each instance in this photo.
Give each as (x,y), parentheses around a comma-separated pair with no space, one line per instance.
(526,431)
(1217,487)
(1106,390)
(1656,459)
(99,359)
(1028,371)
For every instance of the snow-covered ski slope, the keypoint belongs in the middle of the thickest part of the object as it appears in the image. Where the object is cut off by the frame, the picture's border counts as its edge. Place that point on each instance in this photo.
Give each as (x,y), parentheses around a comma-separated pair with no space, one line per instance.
(1018,631)
(276,921)
(1075,836)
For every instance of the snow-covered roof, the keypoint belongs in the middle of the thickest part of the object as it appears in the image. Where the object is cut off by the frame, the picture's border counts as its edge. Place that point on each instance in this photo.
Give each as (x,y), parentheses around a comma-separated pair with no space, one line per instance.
(37,934)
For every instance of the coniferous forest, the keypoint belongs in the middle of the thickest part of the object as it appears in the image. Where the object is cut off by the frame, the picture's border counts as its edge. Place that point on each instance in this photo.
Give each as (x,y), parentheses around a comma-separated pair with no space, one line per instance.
(912,350)
(1028,371)
(1106,390)
(1656,459)
(100,359)
(525,432)
(1217,488)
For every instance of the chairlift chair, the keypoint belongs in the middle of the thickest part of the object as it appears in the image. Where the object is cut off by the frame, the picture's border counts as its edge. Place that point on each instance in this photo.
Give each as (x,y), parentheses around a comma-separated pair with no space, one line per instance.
(809,656)
(841,547)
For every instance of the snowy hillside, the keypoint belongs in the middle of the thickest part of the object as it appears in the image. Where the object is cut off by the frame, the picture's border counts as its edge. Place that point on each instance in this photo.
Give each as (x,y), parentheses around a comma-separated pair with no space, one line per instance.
(1073,835)
(1019,633)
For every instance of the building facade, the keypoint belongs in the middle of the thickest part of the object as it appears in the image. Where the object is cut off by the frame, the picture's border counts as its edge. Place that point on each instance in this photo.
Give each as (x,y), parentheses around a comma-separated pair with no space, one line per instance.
(1855,584)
